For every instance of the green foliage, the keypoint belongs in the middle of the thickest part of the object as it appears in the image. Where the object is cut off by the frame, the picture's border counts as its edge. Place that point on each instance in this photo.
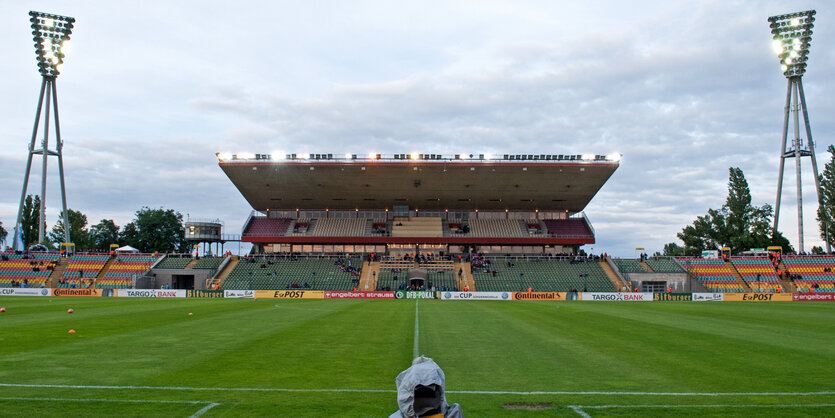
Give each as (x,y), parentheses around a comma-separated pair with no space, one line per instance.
(30,220)
(737,224)
(3,234)
(156,230)
(673,250)
(78,230)
(817,250)
(103,234)
(826,206)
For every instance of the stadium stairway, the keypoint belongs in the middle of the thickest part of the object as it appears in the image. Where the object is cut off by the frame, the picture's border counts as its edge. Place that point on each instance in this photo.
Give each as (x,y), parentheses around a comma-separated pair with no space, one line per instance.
(738,276)
(103,271)
(218,279)
(370,271)
(612,275)
(646,267)
(788,286)
(192,263)
(59,270)
(466,279)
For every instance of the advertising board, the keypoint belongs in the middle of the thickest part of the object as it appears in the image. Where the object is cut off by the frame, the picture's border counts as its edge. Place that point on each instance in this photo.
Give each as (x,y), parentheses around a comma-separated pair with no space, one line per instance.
(617,297)
(25,291)
(239,294)
(358,295)
(813,297)
(75,292)
(538,296)
(290,294)
(476,295)
(151,293)
(708,297)
(401,294)
(758,297)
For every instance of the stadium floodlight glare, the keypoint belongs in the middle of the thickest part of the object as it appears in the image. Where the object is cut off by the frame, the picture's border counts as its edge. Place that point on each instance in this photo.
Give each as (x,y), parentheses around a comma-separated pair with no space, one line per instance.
(587,157)
(792,34)
(223,156)
(615,156)
(51,34)
(414,156)
(791,37)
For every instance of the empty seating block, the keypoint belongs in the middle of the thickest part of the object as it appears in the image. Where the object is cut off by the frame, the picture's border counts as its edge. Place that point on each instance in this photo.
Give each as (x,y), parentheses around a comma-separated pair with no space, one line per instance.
(124,268)
(758,274)
(29,272)
(208,263)
(629,266)
(266,227)
(328,227)
(715,275)
(541,275)
(813,272)
(663,265)
(403,226)
(174,263)
(573,227)
(498,228)
(266,273)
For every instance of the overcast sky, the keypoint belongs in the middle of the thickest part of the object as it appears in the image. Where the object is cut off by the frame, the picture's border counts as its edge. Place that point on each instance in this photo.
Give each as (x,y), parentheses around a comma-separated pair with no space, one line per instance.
(153,89)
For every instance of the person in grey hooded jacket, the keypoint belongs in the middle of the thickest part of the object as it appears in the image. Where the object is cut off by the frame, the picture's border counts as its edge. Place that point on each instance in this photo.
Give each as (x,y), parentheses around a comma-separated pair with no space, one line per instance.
(420,392)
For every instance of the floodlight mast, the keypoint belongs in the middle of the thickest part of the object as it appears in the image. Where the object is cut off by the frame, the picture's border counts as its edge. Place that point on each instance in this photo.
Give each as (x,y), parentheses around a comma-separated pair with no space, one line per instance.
(51,34)
(792,36)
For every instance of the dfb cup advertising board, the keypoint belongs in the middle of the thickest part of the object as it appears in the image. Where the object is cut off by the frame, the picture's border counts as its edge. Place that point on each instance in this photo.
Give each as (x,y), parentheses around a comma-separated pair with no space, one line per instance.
(249,294)
(25,291)
(617,297)
(290,294)
(758,297)
(151,293)
(476,295)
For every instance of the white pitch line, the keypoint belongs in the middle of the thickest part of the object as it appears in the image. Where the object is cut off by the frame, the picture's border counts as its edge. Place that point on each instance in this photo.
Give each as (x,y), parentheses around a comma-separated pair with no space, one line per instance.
(579,409)
(462,392)
(415,351)
(101,400)
(203,411)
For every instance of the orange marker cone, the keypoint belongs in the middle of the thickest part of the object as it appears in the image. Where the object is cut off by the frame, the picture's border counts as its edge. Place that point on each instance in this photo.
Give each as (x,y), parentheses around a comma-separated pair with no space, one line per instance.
(72,331)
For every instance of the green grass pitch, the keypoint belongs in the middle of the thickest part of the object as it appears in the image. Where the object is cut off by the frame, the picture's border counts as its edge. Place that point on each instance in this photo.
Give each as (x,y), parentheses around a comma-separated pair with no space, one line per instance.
(236,357)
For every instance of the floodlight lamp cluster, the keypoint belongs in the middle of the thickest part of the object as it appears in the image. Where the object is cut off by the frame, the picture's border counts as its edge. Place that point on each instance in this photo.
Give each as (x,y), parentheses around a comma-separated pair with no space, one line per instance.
(792,34)
(51,34)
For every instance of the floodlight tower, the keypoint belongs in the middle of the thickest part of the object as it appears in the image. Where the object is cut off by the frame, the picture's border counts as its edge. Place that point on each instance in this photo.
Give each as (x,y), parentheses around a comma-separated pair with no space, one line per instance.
(51,34)
(792,34)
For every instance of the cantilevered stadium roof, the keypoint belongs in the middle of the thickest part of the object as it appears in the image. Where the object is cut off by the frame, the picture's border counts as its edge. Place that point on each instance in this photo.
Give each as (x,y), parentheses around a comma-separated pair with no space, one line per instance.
(420,181)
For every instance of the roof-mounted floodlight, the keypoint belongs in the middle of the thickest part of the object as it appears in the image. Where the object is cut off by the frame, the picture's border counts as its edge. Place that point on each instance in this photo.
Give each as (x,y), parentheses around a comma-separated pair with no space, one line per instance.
(615,156)
(51,34)
(588,157)
(792,34)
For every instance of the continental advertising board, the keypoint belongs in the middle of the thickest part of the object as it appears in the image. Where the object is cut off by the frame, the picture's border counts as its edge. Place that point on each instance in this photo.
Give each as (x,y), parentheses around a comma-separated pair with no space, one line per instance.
(813,297)
(617,297)
(75,292)
(290,294)
(25,291)
(476,295)
(758,297)
(151,293)
(538,296)
(678,297)
(358,295)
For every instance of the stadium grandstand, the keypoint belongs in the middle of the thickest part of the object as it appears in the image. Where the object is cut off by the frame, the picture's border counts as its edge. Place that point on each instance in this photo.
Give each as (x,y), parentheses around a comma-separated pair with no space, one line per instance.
(416,207)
